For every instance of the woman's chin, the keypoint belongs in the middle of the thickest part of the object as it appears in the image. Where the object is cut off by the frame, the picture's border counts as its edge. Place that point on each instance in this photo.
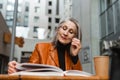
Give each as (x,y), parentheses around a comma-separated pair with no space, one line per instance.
(63,42)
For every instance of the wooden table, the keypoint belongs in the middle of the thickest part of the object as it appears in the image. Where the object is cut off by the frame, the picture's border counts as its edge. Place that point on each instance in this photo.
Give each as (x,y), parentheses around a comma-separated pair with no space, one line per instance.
(9,77)
(59,78)
(18,77)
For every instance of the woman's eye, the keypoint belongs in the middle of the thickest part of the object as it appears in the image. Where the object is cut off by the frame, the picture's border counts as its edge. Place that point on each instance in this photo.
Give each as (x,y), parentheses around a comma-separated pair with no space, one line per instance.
(71,32)
(64,27)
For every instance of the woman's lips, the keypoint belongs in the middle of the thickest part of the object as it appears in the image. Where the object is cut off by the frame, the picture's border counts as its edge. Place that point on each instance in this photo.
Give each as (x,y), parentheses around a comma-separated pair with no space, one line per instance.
(63,37)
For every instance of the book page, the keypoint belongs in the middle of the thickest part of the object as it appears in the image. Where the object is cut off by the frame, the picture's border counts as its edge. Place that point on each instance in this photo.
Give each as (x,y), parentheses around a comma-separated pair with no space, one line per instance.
(44,70)
(38,73)
(77,73)
(38,70)
(35,67)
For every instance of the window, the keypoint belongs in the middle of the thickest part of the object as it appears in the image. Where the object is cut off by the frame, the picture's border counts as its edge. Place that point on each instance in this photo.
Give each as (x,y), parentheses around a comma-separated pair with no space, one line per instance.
(3,63)
(35,37)
(25,21)
(36,18)
(110,22)
(50,3)
(10,7)
(1,6)
(25,56)
(117,17)
(38,1)
(57,20)
(49,19)
(103,25)
(35,28)
(57,7)
(102,5)
(109,14)
(49,11)
(109,2)
(49,27)
(26,8)
(37,9)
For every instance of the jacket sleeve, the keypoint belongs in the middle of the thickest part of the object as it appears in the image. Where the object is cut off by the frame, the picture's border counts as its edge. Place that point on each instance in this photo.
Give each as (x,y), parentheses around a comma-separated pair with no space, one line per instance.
(35,56)
(77,66)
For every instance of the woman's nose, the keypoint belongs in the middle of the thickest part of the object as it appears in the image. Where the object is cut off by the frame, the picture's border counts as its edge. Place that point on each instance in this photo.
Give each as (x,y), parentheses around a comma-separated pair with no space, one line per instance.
(66,32)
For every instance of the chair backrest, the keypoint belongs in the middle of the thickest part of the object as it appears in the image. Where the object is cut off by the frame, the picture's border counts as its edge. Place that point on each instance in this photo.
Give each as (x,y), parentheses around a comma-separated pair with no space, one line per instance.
(115,63)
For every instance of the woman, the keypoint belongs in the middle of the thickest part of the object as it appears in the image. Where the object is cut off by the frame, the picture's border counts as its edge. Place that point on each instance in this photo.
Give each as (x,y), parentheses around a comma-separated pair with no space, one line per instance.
(62,52)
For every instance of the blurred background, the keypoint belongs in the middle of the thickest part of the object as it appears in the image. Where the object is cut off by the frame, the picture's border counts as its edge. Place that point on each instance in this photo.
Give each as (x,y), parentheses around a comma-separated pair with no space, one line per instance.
(37,20)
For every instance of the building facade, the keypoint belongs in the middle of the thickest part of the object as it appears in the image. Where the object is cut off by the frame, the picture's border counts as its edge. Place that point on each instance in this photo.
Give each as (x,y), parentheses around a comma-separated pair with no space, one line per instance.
(3,7)
(37,18)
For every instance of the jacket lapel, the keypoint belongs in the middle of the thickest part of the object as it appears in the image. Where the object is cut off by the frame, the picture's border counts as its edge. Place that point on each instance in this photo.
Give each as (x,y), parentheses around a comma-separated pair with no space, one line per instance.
(54,56)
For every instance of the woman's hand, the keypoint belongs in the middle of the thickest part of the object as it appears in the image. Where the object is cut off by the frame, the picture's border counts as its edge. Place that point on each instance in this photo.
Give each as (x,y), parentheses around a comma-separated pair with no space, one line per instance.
(75,47)
(12,67)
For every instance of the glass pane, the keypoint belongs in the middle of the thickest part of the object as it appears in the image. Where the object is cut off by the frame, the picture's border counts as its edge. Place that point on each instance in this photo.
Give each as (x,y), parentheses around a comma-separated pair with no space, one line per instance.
(117,16)
(103,25)
(102,5)
(110,21)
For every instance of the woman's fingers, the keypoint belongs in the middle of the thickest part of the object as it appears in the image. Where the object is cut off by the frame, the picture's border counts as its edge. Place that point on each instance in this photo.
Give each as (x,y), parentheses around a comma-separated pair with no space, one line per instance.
(12,67)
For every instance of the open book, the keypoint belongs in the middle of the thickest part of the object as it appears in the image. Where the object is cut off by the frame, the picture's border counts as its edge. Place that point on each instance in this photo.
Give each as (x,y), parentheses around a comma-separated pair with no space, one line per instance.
(46,70)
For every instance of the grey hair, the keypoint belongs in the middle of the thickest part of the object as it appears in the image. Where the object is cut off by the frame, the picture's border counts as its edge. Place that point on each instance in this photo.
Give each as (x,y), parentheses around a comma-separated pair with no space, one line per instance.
(79,33)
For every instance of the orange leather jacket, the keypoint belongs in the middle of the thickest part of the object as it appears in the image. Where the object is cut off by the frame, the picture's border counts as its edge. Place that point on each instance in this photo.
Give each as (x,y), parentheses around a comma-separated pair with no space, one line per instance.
(45,53)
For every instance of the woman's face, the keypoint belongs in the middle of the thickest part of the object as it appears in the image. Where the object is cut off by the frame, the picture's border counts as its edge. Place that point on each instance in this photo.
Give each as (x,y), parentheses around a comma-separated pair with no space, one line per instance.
(66,32)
